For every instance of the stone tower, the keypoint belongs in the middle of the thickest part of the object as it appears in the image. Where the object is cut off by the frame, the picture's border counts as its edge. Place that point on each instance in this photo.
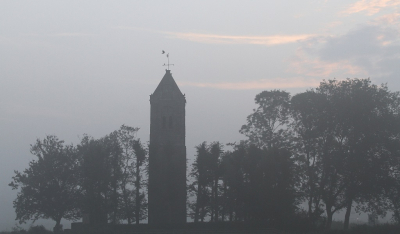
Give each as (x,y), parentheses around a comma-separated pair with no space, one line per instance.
(167,154)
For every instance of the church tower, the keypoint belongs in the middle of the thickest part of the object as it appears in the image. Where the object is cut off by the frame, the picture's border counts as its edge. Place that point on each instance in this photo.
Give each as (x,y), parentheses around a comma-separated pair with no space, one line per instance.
(167,154)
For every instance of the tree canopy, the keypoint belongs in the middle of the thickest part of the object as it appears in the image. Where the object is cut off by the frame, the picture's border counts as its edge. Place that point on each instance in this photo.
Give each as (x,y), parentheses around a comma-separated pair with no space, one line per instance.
(49,187)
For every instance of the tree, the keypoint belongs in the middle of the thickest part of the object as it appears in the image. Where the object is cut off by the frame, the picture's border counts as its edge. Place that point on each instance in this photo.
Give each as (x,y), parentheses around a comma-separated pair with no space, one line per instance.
(133,156)
(266,125)
(317,142)
(100,175)
(366,129)
(200,175)
(309,112)
(216,151)
(140,201)
(49,186)
(112,177)
(258,185)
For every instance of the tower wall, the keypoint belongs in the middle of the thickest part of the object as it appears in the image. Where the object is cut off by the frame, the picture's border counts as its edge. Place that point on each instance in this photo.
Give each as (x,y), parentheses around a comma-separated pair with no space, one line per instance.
(167,156)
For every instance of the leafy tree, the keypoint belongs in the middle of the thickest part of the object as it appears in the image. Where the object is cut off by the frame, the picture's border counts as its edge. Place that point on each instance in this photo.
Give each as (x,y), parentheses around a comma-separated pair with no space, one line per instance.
(199,173)
(233,183)
(258,185)
(206,174)
(318,153)
(309,116)
(366,129)
(266,125)
(49,186)
(133,156)
(112,177)
(140,201)
(99,179)
(215,152)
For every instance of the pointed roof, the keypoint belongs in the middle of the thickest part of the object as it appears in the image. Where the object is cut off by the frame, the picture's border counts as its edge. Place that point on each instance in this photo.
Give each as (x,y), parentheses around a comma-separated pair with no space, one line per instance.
(167,84)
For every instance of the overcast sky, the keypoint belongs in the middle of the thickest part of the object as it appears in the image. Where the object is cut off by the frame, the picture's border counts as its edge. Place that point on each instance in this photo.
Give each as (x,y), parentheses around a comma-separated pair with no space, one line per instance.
(74,67)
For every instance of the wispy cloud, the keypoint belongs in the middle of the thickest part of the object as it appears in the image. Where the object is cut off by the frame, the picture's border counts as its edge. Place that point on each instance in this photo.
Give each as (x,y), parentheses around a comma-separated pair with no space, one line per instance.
(388,19)
(376,55)
(306,65)
(228,39)
(71,34)
(370,6)
(277,83)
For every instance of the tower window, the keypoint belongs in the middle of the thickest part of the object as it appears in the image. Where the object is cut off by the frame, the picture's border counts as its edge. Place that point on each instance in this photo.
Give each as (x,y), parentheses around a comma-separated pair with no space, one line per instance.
(170,122)
(164,122)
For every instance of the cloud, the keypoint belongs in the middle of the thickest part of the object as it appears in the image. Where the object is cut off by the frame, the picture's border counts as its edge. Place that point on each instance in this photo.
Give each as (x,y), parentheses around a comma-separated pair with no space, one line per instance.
(371,7)
(306,65)
(366,51)
(277,83)
(71,34)
(388,19)
(228,39)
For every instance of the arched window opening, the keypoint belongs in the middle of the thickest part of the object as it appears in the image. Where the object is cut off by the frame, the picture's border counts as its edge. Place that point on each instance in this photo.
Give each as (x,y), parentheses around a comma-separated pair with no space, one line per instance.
(170,122)
(164,122)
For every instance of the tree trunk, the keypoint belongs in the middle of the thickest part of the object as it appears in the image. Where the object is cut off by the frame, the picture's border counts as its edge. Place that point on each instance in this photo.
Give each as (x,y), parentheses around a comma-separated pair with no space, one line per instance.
(310,208)
(216,198)
(224,199)
(127,208)
(329,215)
(137,198)
(115,204)
(197,209)
(57,228)
(202,214)
(347,215)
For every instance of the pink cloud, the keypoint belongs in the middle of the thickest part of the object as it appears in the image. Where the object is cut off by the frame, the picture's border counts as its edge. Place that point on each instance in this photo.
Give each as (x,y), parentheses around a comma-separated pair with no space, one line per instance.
(277,83)
(371,7)
(229,39)
(388,19)
(305,65)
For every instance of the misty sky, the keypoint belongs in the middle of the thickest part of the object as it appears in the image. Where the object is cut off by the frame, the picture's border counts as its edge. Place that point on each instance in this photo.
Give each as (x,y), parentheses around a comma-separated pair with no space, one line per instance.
(74,67)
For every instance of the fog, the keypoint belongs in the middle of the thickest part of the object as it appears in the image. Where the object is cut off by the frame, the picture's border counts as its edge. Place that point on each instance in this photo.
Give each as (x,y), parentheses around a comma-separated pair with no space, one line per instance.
(70,68)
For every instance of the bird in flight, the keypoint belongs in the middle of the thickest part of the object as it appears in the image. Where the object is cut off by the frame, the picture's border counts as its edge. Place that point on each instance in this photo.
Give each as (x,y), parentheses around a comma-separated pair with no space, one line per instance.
(163,52)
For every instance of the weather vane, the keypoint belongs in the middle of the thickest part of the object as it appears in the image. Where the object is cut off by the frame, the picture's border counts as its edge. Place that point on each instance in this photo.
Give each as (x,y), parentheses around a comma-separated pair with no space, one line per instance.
(163,52)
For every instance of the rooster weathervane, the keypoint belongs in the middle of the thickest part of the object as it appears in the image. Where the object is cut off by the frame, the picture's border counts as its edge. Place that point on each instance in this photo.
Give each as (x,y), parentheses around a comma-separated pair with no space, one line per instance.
(168,64)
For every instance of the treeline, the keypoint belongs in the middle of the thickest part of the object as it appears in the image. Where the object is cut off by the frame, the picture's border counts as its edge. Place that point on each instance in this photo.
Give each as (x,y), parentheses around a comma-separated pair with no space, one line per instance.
(246,184)
(102,180)
(333,148)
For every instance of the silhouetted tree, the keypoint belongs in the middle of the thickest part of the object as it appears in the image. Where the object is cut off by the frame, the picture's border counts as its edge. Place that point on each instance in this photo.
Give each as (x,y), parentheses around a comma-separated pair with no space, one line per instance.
(267,124)
(100,175)
(49,186)
(258,185)
(233,182)
(366,128)
(309,117)
(199,173)
(215,152)
(318,153)
(112,177)
(140,201)
(133,203)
